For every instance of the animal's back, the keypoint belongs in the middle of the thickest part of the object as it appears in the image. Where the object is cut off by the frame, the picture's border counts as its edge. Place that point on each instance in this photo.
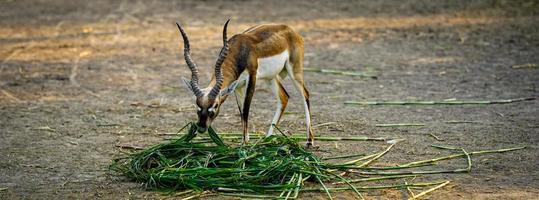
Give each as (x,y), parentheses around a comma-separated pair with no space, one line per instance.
(271,39)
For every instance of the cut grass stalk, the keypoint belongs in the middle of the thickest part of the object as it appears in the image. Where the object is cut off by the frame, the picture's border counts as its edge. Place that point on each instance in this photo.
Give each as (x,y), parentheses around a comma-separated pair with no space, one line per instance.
(351,138)
(444,147)
(410,192)
(339,72)
(183,192)
(377,156)
(378,187)
(461,155)
(347,182)
(461,122)
(324,187)
(399,125)
(324,124)
(418,196)
(181,129)
(376,179)
(452,102)
(350,166)
(250,196)
(527,65)
(360,159)
(412,172)
(289,182)
(214,137)
(435,137)
(341,157)
(467,169)
(126,146)
(394,167)
(299,184)
(318,177)
(469,160)
(304,138)
(198,195)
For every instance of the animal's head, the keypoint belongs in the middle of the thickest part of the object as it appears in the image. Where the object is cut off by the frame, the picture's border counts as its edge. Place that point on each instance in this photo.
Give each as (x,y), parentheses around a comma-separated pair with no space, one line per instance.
(208,100)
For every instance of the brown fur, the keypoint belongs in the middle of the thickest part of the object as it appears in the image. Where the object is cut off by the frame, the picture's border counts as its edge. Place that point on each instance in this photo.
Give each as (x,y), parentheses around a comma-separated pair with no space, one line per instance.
(283,96)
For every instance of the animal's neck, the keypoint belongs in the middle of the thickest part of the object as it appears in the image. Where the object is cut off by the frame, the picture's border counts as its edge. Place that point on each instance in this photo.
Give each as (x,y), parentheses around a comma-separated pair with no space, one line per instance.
(230,73)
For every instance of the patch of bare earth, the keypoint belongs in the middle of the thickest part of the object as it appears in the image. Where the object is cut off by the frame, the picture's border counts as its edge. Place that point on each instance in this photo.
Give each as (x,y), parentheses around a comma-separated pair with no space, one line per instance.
(78,78)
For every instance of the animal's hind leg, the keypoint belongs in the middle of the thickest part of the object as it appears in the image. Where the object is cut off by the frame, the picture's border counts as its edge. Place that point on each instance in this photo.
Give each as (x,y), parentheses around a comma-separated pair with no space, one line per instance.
(300,86)
(282,100)
(295,71)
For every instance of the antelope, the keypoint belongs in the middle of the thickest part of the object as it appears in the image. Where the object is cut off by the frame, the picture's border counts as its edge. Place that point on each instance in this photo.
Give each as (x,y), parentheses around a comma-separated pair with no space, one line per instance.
(264,53)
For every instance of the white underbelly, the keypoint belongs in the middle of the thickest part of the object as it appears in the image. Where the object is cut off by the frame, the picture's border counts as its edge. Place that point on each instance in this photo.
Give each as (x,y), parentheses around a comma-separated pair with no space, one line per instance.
(270,67)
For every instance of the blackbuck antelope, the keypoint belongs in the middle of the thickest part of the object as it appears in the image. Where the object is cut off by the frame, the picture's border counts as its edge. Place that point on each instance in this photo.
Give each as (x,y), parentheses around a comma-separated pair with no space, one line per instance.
(266,53)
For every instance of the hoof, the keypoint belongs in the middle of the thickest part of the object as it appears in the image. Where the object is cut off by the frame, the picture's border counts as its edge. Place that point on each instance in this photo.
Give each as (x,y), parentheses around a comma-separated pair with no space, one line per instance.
(310,145)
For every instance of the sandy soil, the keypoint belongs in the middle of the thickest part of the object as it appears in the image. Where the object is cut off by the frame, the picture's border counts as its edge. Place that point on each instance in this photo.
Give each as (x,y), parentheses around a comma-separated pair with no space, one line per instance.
(77,79)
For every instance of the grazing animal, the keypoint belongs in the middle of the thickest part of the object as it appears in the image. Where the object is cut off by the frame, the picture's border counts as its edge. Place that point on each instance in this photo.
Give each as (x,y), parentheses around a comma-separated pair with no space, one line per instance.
(265,53)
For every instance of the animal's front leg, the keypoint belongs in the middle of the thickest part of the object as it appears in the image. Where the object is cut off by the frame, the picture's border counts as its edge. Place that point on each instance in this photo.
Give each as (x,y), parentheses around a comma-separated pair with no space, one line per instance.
(246,105)
(239,93)
(282,100)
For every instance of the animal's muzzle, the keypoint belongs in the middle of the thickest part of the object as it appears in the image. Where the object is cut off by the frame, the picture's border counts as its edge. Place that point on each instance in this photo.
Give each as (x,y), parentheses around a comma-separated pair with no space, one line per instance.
(201,128)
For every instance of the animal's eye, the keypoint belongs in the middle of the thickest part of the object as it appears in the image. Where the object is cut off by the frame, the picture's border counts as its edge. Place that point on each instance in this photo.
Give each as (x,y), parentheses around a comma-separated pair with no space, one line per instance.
(211,112)
(199,108)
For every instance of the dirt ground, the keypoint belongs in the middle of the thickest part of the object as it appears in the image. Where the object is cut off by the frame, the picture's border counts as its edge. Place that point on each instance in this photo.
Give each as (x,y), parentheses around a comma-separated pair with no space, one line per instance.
(78,78)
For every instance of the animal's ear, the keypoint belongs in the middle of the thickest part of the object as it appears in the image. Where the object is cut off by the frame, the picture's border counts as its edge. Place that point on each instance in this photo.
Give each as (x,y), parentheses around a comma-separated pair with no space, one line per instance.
(187,84)
(230,88)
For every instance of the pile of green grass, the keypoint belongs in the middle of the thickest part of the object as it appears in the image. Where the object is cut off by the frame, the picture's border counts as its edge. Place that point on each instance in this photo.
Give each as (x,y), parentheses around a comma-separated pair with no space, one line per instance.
(271,165)
(274,167)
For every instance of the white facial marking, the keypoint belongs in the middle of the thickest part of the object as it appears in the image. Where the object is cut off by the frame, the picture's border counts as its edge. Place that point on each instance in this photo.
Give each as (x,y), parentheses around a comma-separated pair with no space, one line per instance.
(206,93)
